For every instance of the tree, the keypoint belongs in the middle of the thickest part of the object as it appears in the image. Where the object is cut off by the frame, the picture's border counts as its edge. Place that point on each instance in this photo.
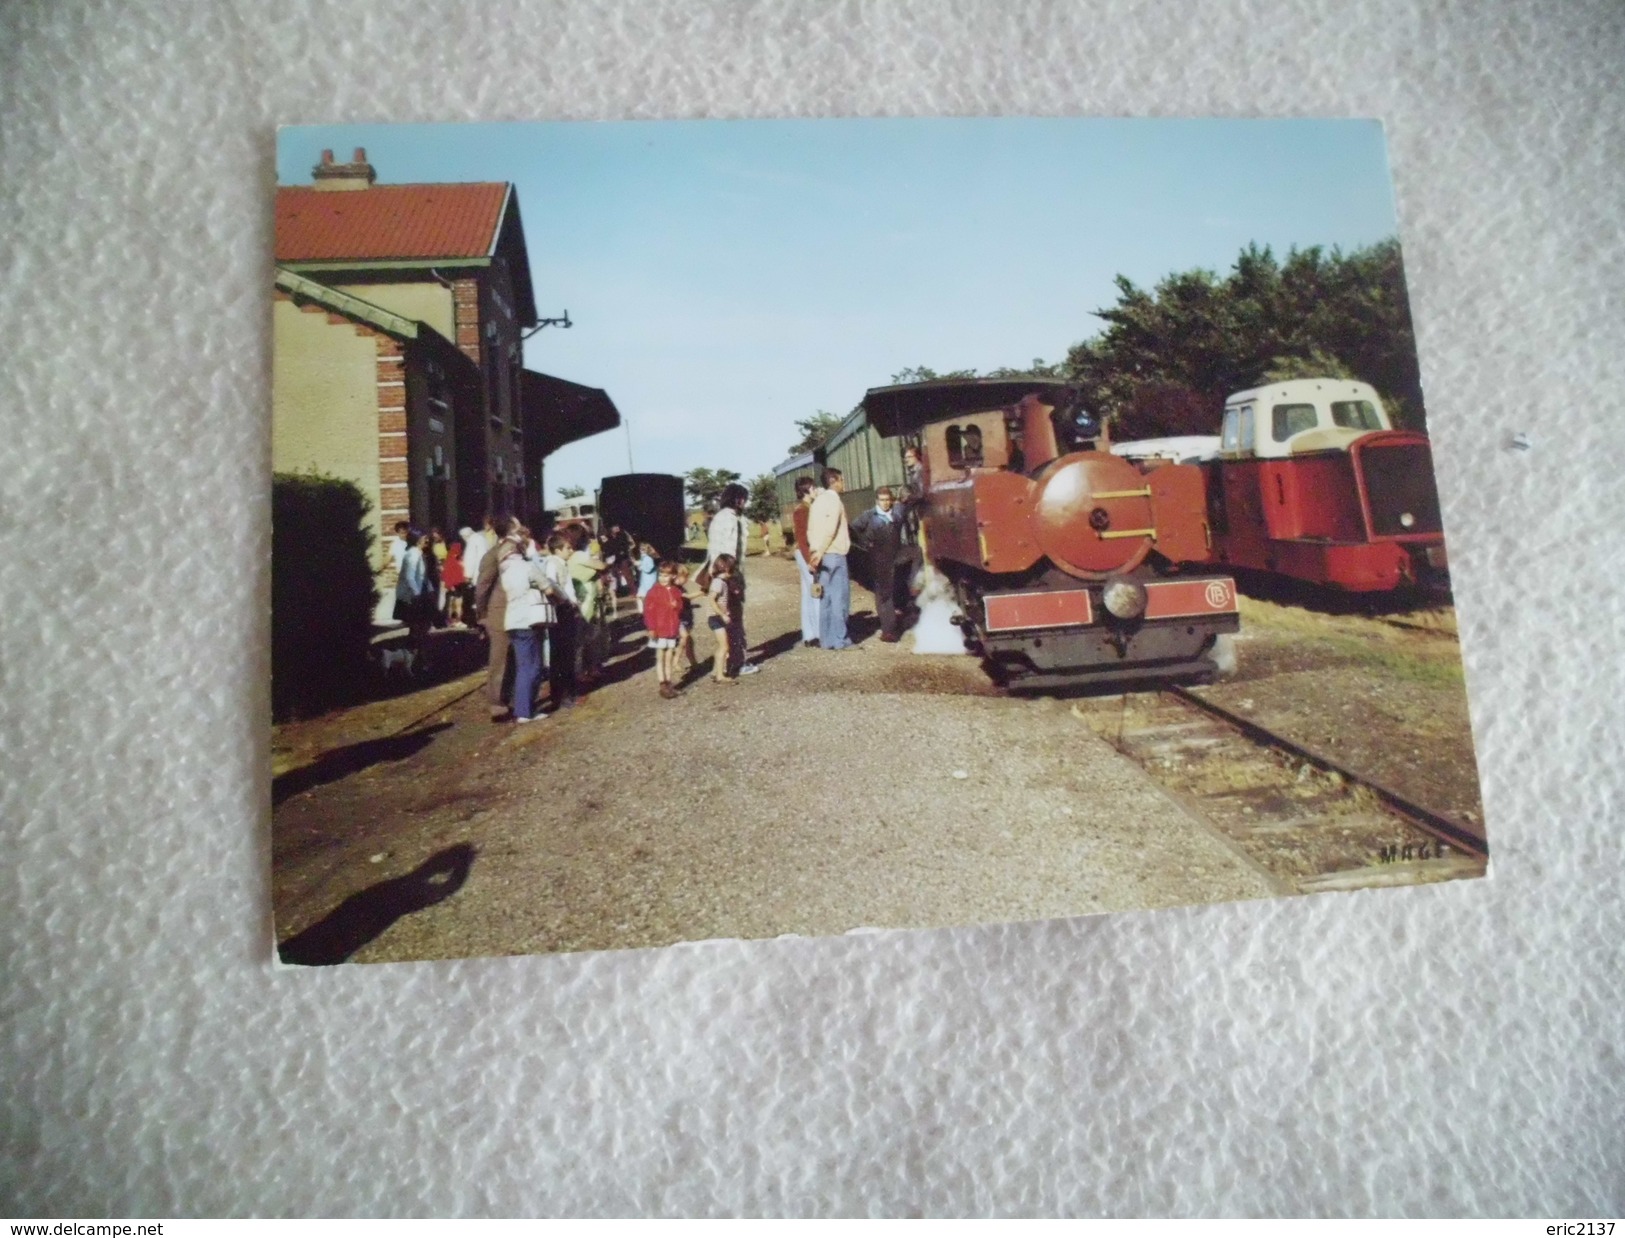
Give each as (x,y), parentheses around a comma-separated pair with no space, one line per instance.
(322,594)
(705,485)
(814,430)
(1166,409)
(566,493)
(1317,364)
(1167,358)
(925,374)
(764,498)
(1038,369)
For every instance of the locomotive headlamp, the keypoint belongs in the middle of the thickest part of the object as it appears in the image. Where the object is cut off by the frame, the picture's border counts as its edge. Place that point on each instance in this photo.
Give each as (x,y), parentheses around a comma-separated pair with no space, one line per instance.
(1124,598)
(1406,519)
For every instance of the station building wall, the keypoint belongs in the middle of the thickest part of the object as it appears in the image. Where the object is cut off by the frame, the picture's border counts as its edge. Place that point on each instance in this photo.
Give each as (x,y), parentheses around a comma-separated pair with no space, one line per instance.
(324,404)
(428,303)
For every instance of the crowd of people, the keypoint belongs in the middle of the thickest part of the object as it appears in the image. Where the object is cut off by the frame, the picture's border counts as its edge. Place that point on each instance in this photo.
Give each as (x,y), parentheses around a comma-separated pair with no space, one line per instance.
(547,605)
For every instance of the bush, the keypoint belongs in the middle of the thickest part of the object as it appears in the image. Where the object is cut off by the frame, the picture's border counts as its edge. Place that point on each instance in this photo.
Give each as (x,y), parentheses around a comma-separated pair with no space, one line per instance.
(322,595)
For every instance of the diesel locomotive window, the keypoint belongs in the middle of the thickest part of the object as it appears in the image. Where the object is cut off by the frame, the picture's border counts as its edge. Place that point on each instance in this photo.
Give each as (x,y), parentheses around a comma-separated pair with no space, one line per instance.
(964,447)
(1237,434)
(1289,419)
(1355,415)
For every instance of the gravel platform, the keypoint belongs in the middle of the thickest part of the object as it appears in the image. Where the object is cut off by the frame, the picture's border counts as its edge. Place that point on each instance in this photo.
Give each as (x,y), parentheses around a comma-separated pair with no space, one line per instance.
(870,788)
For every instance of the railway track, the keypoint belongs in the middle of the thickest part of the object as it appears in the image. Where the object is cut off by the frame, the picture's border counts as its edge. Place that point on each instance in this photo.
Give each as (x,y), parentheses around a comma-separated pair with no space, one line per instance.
(1312,823)
(1458,834)
(1408,626)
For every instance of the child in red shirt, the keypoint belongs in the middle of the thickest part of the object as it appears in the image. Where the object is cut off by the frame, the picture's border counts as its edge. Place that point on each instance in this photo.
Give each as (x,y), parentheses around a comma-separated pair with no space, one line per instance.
(663,616)
(454,578)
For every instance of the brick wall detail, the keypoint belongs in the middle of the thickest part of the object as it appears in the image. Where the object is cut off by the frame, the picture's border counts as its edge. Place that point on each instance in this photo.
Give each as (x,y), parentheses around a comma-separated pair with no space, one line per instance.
(393,462)
(393,500)
(465,297)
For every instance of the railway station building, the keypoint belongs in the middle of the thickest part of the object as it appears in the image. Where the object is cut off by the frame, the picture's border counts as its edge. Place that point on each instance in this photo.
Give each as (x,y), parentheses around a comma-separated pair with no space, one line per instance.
(398,327)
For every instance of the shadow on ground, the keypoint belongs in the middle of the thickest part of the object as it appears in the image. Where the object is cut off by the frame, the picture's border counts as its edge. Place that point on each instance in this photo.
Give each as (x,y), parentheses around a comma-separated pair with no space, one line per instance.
(784,642)
(342,762)
(363,917)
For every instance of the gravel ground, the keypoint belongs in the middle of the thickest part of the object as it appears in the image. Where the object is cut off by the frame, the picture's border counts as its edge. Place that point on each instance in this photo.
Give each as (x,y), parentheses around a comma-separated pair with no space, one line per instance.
(830,792)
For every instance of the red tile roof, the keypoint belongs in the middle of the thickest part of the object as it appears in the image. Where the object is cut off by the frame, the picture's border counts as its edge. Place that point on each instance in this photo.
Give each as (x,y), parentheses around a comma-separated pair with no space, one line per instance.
(412,222)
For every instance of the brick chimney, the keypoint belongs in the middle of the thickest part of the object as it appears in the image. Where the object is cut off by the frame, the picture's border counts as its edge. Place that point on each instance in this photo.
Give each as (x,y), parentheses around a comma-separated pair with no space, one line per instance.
(357,174)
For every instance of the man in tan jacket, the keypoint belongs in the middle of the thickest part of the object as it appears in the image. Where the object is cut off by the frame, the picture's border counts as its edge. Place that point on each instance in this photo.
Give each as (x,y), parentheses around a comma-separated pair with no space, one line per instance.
(491,609)
(829,541)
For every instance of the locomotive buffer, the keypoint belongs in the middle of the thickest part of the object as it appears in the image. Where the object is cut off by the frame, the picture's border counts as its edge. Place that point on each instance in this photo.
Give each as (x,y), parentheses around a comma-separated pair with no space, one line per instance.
(1071,565)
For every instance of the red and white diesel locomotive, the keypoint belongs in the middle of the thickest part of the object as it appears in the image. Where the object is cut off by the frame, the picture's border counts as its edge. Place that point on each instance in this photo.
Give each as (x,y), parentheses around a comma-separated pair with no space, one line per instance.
(1308,479)
(1074,566)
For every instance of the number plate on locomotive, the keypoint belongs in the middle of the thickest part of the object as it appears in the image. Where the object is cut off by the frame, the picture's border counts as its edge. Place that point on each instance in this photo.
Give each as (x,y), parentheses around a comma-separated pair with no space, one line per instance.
(1054,608)
(1179,599)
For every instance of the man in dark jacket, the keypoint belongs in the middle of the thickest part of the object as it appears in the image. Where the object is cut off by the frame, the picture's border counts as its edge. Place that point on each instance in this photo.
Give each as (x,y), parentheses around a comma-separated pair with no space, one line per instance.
(880,531)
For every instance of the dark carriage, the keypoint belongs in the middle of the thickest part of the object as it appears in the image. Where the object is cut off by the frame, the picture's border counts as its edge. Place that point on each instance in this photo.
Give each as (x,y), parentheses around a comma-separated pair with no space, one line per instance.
(647,505)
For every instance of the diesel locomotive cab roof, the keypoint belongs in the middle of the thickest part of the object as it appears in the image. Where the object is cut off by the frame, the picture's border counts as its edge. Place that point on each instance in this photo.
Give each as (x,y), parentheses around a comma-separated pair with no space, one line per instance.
(906,408)
(1299,416)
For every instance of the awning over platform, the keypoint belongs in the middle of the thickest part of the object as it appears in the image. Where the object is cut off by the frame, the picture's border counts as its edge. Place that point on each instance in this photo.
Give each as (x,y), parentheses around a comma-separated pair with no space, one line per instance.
(559,412)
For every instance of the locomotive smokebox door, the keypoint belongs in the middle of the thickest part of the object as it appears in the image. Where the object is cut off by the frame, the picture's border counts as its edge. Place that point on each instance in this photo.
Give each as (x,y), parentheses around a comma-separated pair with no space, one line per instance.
(1094,515)
(1007,538)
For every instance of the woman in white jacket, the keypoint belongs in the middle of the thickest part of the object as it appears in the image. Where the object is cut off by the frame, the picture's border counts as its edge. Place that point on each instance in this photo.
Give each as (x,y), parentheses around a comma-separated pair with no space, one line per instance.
(533,601)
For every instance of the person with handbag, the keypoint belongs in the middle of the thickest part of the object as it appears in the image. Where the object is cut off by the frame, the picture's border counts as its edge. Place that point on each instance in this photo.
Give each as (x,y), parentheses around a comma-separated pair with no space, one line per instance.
(830,540)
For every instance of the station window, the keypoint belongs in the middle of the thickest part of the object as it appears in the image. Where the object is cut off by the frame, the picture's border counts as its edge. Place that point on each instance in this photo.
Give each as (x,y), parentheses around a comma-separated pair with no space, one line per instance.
(1356,415)
(965,446)
(1289,419)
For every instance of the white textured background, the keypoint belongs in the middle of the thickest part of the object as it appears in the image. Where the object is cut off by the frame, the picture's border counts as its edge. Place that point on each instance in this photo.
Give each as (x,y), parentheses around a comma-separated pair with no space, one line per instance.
(1442,1050)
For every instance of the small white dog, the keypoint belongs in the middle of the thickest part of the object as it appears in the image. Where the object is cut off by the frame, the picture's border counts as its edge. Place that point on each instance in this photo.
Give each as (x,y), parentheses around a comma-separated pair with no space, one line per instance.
(402,656)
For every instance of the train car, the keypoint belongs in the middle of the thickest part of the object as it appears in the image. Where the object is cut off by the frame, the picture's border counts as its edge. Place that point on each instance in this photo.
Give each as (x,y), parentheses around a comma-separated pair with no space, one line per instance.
(785,476)
(1313,482)
(1072,566)
(867,458)
(583,514)
(647,505)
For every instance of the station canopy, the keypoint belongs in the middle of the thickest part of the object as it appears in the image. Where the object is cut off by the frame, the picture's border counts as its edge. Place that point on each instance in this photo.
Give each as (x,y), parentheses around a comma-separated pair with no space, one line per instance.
(905,409)
(563,412)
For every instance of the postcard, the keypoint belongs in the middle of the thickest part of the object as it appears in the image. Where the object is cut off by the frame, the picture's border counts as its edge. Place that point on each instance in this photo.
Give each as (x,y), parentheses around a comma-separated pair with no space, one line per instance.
(740,529)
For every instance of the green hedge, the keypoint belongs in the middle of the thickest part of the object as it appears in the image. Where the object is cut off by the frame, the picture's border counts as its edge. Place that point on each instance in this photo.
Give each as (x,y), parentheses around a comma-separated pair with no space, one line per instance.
(322,594)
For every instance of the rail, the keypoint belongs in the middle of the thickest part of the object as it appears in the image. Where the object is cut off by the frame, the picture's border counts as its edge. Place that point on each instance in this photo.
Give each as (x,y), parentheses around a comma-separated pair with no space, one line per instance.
(1456,833)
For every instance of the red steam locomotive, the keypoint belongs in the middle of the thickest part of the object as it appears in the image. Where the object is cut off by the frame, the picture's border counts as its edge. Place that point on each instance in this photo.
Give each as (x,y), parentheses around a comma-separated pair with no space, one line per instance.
(1074,566)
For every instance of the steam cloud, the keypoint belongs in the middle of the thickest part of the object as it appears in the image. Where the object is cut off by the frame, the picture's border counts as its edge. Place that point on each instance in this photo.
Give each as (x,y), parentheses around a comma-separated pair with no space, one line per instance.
(936,632)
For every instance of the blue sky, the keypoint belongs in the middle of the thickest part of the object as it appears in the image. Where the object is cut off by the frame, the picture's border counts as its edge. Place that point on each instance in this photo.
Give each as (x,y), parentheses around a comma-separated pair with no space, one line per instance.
(726,278)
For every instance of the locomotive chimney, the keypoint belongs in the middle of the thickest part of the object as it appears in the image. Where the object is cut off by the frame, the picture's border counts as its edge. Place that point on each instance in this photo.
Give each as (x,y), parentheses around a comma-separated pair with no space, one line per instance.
(357,174)
(1038,445)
